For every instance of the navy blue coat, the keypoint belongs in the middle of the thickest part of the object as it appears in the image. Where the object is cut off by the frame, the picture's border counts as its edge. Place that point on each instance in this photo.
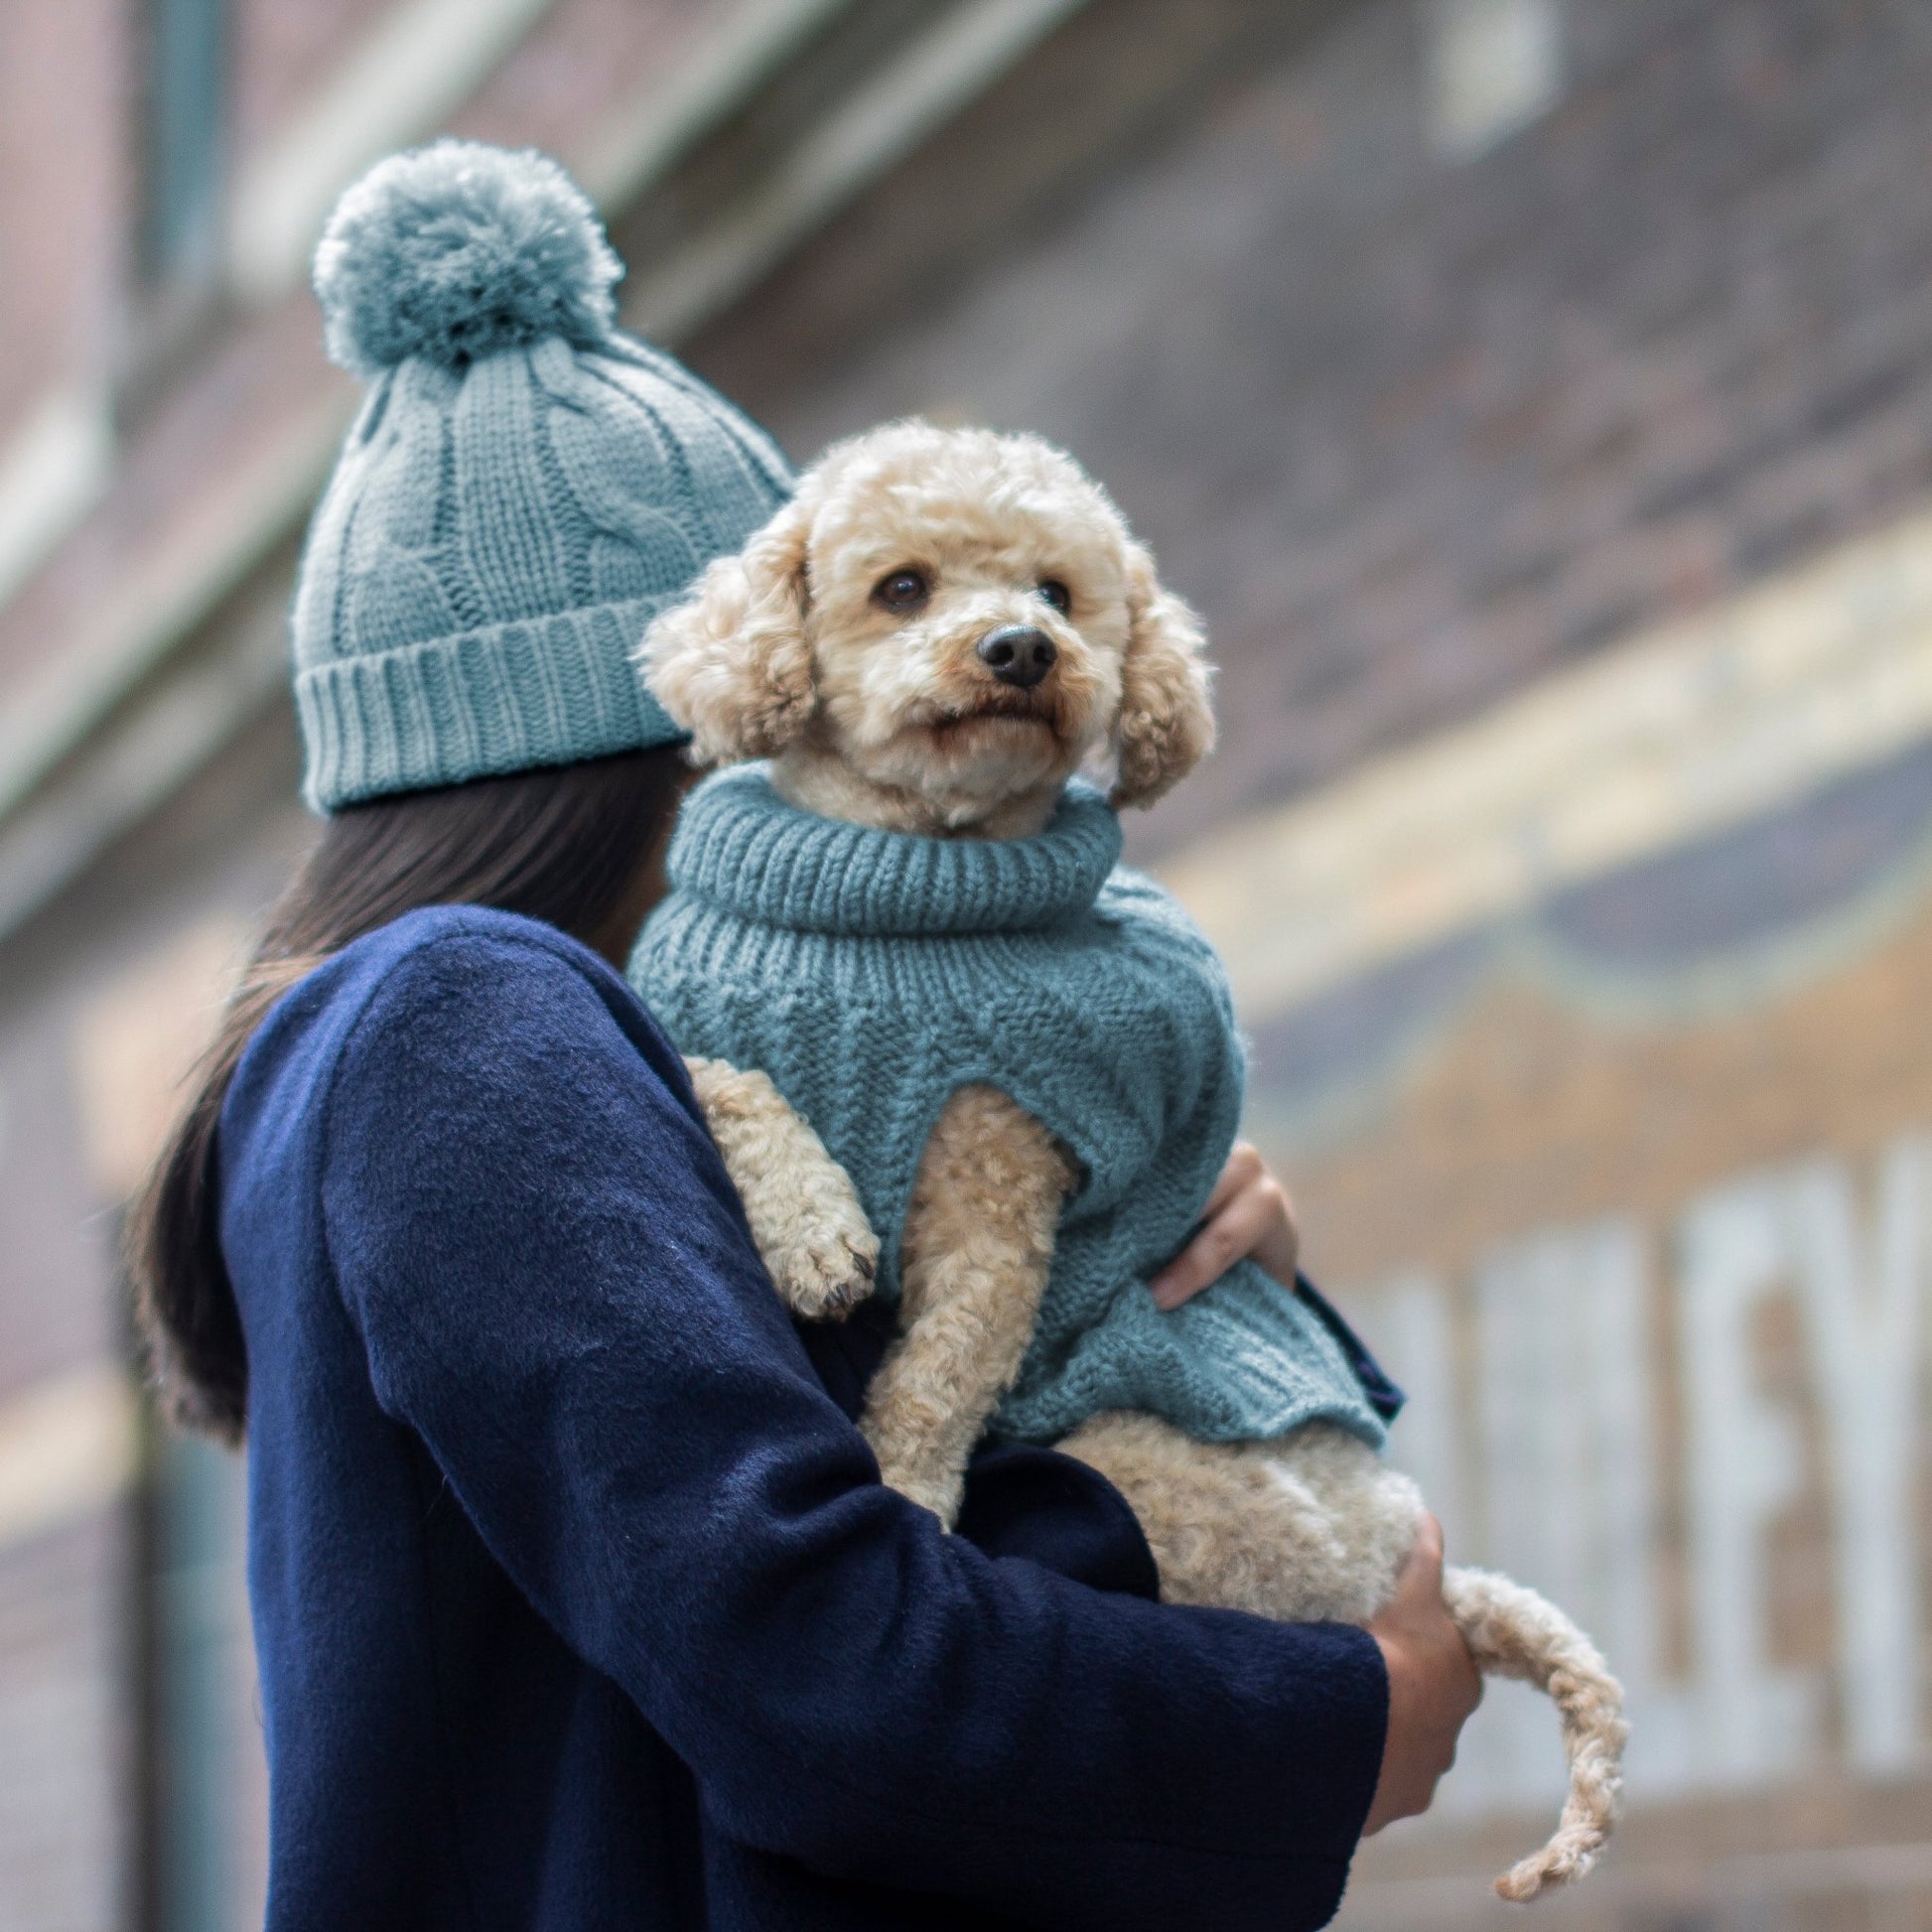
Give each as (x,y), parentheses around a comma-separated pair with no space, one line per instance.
(577,1600)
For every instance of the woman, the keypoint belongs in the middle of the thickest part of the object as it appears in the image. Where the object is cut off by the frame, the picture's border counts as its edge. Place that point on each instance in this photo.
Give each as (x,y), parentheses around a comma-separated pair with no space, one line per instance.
(576,1598)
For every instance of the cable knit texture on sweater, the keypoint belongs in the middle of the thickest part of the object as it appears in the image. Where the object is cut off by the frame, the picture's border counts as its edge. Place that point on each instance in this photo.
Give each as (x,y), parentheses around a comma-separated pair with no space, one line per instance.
(524,488)
(871,974)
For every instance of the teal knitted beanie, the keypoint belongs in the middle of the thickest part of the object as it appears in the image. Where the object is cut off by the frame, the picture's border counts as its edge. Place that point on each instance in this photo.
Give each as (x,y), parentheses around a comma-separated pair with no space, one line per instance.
(523,488)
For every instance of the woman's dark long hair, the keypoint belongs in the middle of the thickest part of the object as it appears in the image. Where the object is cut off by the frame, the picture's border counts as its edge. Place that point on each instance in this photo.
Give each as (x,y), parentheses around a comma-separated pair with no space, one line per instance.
(567,845)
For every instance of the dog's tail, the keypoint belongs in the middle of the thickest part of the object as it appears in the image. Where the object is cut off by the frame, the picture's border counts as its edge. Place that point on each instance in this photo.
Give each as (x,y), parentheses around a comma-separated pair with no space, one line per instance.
(1511,1631)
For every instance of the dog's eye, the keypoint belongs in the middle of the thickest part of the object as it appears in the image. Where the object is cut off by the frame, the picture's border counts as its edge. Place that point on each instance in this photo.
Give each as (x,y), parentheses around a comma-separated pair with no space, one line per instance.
(903,590)
(1058,594)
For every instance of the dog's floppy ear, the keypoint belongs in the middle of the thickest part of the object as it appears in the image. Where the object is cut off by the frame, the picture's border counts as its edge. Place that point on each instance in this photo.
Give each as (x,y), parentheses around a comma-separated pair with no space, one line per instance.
(1167,723)
(733,663)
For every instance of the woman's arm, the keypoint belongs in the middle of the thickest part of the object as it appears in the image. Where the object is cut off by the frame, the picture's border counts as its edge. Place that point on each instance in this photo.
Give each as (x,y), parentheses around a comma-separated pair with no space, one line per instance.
(558,1294)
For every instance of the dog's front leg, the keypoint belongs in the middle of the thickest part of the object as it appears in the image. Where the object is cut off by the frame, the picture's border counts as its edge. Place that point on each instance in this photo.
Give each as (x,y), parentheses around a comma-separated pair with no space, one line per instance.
(803,1211)
(975,1255)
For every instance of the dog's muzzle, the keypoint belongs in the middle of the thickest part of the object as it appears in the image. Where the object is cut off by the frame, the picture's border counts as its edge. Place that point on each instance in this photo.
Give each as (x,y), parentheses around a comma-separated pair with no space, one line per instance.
(1018,654)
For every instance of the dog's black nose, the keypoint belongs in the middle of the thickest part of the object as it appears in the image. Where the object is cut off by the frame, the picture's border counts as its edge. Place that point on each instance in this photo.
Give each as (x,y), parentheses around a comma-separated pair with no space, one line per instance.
(1019,654)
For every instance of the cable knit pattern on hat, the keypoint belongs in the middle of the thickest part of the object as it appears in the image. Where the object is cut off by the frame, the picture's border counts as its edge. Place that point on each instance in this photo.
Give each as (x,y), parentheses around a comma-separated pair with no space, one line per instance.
(523,490)
(871,974)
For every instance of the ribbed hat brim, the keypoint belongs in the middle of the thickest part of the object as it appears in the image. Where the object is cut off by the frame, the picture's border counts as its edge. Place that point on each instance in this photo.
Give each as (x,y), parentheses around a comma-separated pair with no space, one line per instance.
(503,698)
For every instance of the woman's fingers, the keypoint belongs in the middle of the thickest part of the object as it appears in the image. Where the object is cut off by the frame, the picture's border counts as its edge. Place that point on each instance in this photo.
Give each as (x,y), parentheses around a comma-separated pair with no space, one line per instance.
(1243,1169)
(1433,1683)
(1248,1216)
(1279,1250)
(1417,1602)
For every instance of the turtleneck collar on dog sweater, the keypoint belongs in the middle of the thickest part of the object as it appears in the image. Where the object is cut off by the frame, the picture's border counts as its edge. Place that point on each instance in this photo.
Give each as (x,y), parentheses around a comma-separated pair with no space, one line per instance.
(743,849)
(871,974)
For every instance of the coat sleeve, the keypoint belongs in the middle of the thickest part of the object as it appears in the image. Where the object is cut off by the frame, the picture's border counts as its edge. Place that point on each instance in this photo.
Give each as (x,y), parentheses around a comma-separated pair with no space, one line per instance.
(552,1277)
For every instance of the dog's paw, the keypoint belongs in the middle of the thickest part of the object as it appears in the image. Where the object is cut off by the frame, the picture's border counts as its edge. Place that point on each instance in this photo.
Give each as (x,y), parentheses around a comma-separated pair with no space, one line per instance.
(825,1258)
(823,1282)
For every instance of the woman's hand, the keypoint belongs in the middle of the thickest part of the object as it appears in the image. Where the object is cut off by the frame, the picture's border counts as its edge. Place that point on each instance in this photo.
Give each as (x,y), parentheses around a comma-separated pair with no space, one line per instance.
(1249,1216)
(1433,1685)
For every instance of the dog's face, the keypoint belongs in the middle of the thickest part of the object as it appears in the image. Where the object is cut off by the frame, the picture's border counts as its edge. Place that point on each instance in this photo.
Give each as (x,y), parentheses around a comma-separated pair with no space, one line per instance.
(951,614)
(968,609)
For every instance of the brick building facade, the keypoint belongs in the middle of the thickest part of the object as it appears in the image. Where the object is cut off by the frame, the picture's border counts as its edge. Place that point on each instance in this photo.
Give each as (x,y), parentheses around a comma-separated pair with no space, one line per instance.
(1535,395)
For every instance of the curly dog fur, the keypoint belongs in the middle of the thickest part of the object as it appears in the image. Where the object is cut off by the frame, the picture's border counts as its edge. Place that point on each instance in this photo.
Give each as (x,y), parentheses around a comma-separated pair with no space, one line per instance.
(803,1209)
(845,643)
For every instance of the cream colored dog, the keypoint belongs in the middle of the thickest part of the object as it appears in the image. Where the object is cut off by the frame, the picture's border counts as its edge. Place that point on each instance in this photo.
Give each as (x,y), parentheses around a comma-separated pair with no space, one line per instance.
(931,638)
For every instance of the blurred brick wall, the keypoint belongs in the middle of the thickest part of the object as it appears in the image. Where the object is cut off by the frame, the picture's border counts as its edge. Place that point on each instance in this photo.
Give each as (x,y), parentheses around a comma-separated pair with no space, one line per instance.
(64,1744)
(121,982)
(1414,431)
(63,87)
(282,54)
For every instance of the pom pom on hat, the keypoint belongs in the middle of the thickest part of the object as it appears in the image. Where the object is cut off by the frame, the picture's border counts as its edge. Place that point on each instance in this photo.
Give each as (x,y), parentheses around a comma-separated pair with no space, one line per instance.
(457,250)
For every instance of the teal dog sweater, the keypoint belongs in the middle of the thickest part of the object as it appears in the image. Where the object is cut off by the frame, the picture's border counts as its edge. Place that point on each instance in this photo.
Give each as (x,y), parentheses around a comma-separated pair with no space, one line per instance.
(871,974)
